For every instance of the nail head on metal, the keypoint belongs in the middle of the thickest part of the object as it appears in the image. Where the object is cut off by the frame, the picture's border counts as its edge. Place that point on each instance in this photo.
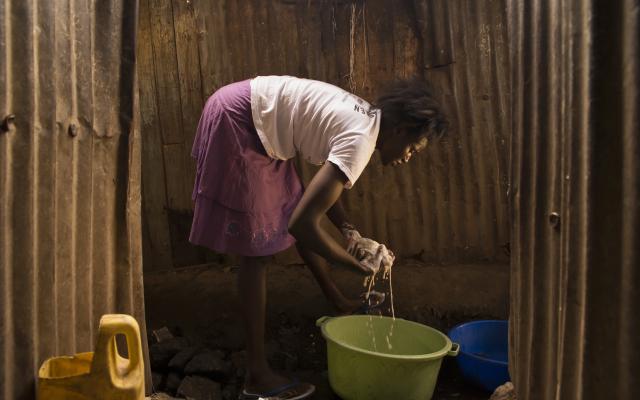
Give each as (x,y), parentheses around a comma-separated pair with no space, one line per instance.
(7,121)
(73,130)
(554,220)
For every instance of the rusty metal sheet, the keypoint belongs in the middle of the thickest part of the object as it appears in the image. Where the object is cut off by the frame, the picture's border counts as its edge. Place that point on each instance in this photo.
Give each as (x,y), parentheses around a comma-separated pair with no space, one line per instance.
(70,241)
(575,284)
(448,205)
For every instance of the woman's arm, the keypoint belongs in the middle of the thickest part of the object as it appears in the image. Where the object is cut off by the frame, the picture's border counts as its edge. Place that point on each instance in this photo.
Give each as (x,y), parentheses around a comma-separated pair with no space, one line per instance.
(338,216)
(321,194)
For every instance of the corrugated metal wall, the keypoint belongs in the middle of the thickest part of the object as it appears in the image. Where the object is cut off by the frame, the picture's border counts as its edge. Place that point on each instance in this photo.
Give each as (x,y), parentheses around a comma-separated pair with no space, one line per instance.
(448,205)
(576,200)
(70,235)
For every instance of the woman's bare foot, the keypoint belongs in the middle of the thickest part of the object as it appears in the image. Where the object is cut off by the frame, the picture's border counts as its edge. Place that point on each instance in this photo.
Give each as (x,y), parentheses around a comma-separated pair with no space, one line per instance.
(350,306)
(264,381)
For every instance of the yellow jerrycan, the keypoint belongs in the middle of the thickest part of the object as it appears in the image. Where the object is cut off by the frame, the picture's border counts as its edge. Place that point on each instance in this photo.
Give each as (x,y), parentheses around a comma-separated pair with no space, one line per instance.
(98,375)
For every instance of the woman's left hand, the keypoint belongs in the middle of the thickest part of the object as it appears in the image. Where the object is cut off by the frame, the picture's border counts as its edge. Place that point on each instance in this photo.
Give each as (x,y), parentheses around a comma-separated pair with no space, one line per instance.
(368,251)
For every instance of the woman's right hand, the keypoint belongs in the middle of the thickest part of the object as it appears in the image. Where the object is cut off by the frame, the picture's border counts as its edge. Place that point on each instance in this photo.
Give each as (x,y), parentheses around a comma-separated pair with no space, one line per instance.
(370,264)
(363,267)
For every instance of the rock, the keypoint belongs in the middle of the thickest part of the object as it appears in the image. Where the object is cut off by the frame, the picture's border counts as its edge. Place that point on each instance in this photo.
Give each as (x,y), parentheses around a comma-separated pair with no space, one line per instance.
(290,361)
(157,381)
(239,362)
(162,334)
(173,382)
(218,353)
(151,339)
(160,396)
(504,392)
(177,331)
(209,364)
(229,338)
(230,392)
(199,388)
(180,360)
(161,353)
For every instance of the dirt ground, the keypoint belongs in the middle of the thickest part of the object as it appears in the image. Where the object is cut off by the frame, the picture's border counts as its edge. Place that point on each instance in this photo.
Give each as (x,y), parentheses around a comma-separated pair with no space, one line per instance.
(200,303)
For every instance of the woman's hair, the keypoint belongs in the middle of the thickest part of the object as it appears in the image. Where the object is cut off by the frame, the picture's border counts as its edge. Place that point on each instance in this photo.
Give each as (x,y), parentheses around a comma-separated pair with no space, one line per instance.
(410,103)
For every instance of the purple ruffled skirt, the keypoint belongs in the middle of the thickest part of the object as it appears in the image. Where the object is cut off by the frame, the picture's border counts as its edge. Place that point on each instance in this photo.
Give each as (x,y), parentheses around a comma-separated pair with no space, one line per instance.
(243,198)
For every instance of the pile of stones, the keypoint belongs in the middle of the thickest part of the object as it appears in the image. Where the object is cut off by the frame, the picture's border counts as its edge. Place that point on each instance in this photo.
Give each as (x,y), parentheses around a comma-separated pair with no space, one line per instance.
(183,370)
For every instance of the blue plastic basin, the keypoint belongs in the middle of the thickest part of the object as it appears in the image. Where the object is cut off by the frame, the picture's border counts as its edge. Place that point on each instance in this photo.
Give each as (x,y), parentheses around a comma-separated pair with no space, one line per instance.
(484,347)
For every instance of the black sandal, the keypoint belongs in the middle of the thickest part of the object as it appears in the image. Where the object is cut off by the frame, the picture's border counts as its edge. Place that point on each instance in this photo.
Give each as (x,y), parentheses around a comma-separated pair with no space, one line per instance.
(291,391)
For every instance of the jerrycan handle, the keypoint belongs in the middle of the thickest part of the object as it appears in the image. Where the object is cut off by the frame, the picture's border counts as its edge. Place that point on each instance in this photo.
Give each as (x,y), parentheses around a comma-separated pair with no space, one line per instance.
(106,352)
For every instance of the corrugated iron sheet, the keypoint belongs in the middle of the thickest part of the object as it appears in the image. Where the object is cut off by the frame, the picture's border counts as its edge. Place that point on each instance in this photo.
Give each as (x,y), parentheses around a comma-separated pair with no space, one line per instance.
(448,205)
(575,282)
(70,242)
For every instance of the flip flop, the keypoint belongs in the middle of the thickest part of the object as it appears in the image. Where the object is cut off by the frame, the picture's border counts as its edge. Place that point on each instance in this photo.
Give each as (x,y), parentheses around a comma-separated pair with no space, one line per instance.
(291,391)
(367,306)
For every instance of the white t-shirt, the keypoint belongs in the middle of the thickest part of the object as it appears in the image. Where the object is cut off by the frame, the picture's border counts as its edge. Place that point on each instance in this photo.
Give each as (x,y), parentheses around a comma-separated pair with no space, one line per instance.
(320,121)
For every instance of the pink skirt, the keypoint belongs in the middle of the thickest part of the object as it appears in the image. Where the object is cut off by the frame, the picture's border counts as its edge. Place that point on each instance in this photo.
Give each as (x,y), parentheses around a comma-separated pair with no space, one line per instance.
(243,198)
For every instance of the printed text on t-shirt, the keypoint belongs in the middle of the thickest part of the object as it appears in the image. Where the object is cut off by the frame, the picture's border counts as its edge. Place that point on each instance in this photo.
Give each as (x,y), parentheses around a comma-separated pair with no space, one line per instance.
(371,113)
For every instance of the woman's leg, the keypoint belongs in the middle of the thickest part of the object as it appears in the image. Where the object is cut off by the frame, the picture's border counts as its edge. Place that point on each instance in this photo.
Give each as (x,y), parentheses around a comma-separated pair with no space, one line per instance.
(252,289)
(320,270)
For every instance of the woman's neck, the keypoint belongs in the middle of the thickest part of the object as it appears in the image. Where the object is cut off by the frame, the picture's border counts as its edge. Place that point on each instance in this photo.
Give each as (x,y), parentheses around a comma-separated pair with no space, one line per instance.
(384,133)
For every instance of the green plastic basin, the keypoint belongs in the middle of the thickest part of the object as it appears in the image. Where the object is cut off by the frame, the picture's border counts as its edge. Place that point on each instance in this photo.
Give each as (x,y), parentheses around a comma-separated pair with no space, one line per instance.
(362,366)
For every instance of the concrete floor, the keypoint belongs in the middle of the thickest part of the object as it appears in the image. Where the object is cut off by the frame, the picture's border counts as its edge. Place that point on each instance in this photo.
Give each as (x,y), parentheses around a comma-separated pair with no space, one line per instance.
(201,303)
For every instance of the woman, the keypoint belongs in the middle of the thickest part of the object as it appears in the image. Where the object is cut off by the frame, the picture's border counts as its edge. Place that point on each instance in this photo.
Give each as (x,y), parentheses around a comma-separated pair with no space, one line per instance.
(249,200)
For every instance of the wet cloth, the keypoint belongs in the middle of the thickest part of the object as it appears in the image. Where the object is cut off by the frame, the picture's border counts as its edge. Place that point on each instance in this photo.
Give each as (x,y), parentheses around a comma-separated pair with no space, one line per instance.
(318,120)
(370,253)
(243,198)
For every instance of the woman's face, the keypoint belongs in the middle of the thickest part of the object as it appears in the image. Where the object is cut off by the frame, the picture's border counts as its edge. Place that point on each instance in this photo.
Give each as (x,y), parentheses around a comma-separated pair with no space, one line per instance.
(400,147)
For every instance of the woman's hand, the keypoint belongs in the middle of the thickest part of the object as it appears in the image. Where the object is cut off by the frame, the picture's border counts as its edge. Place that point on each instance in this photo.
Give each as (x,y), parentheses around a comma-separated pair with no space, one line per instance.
(352,237)
(371,254)
(372,261)
(365,267)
